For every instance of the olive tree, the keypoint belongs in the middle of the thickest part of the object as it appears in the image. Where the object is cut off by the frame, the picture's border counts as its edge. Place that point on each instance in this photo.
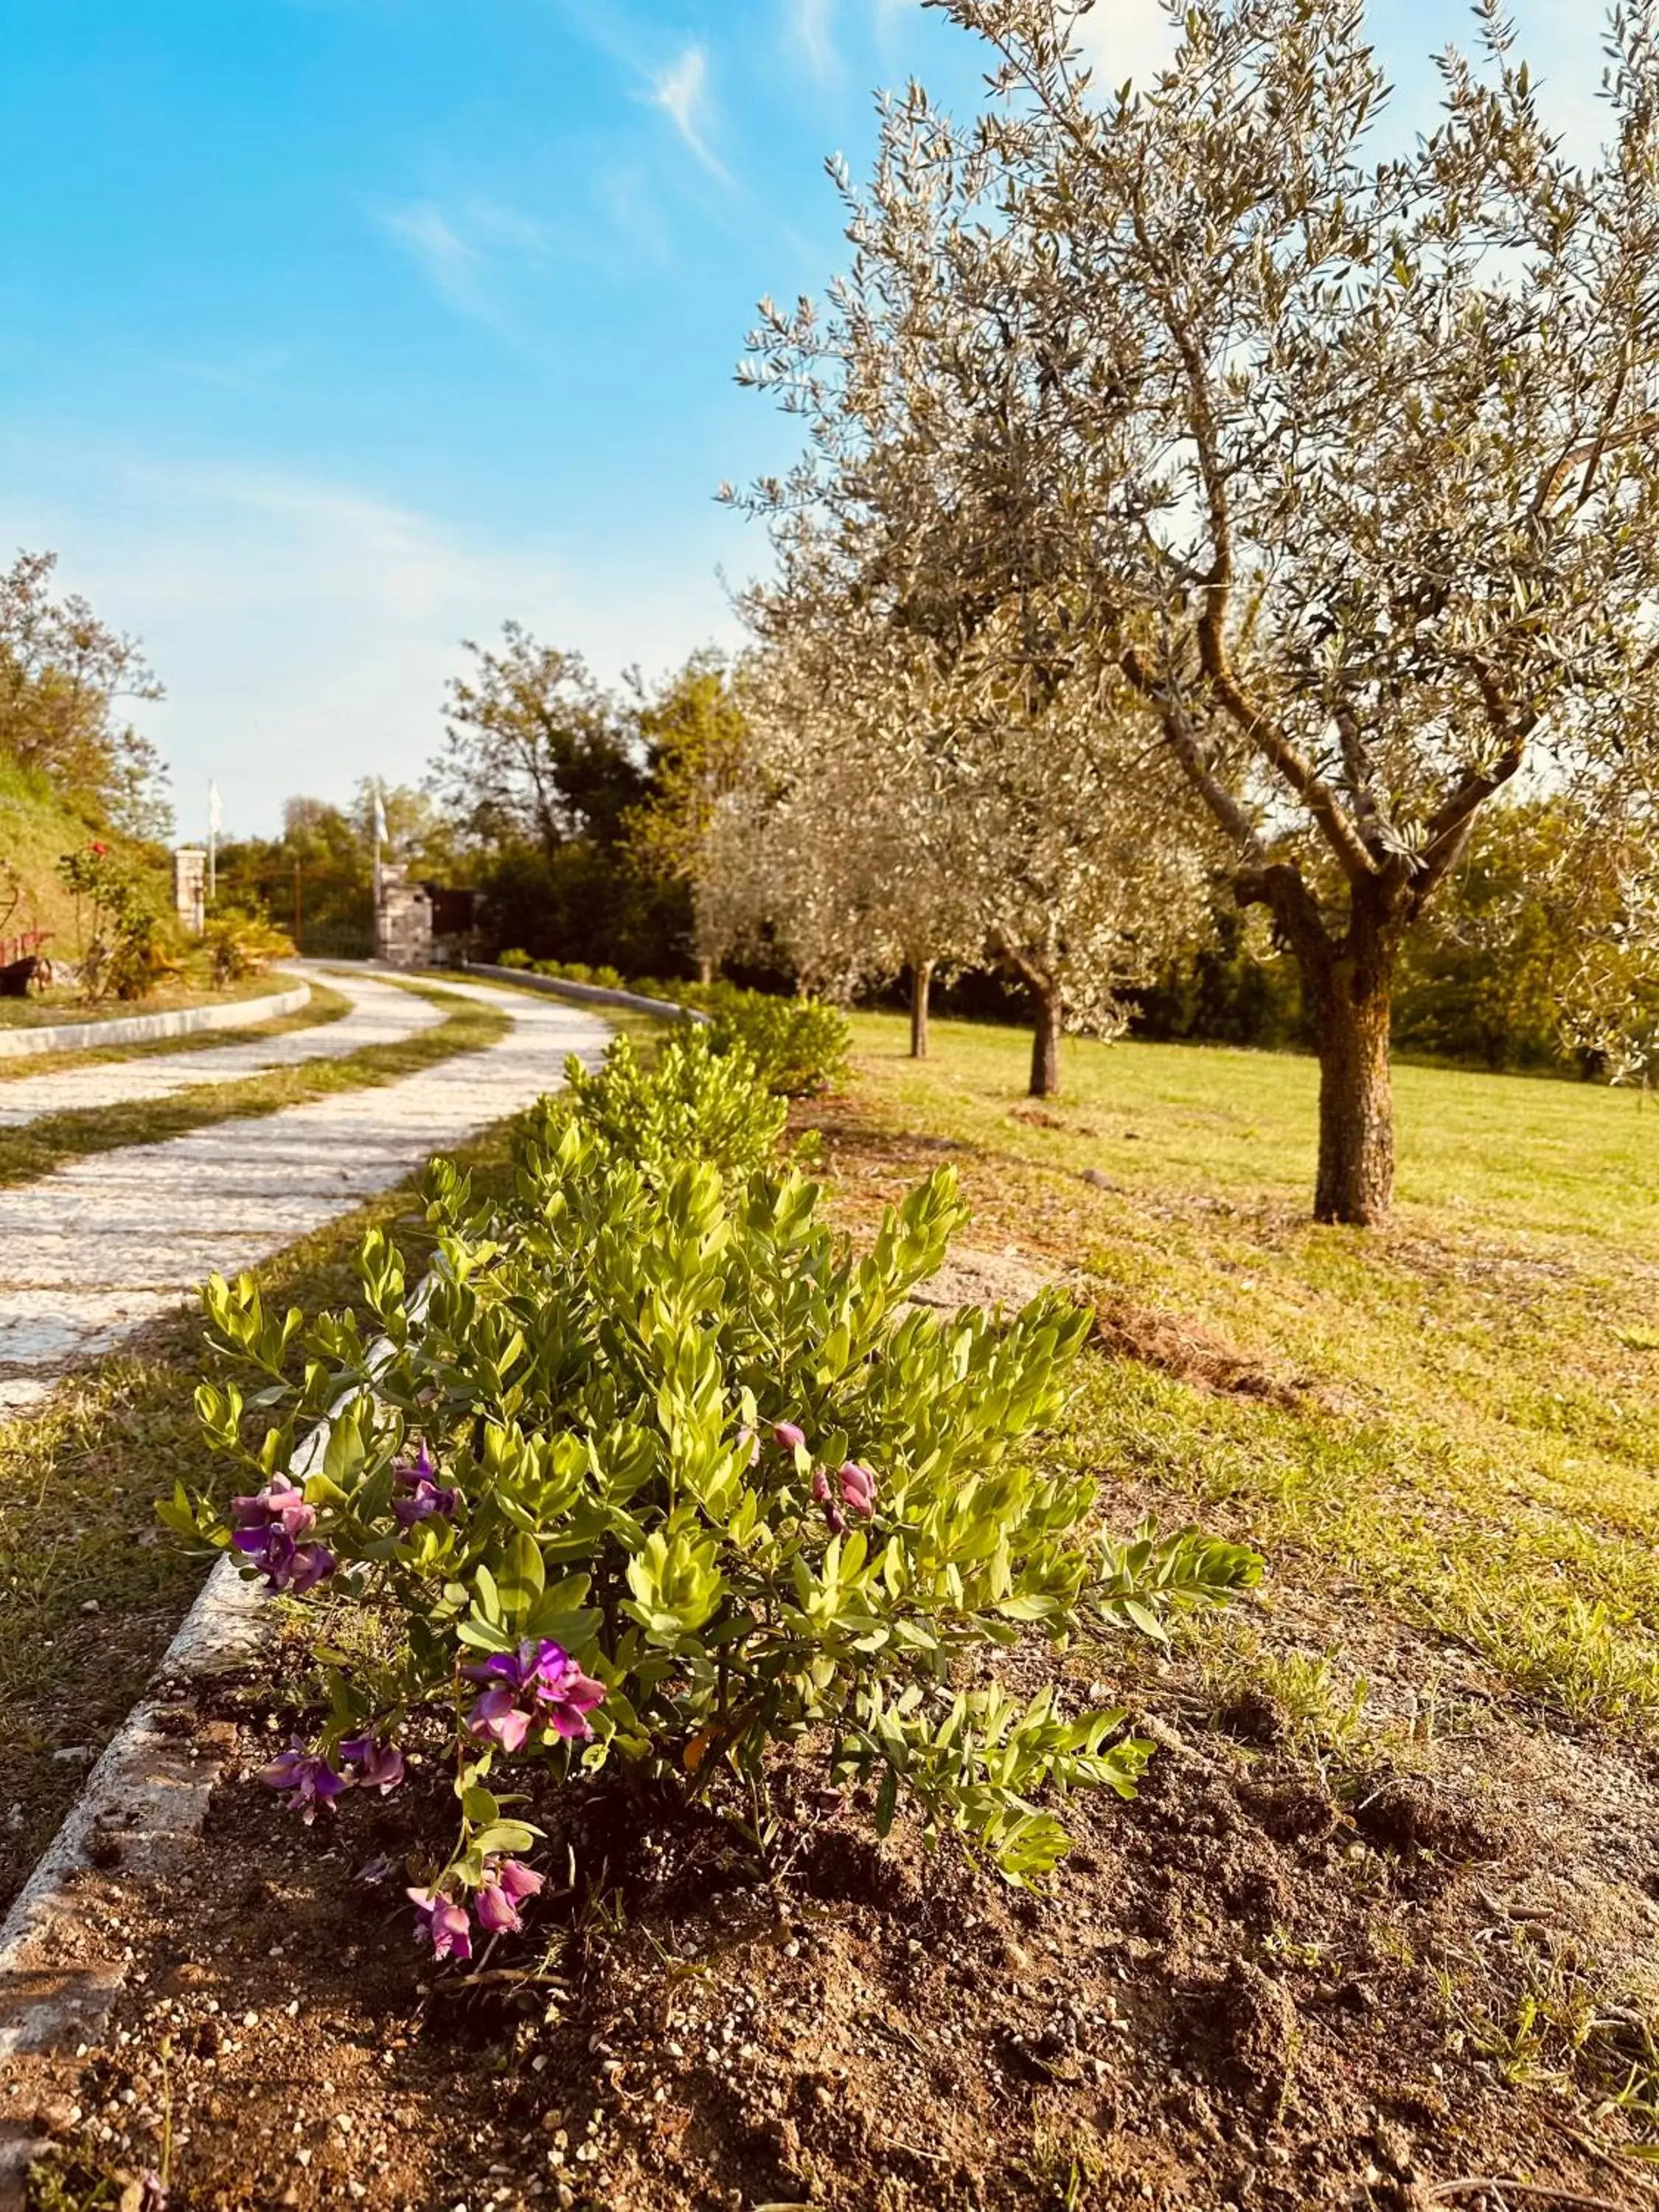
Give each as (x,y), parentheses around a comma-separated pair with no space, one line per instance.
(920,550)
(867,841)
(1354,453)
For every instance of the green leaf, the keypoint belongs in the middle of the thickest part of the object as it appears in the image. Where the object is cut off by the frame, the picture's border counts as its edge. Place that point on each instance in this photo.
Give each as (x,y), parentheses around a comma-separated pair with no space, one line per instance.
(505,1836)
(523,1578)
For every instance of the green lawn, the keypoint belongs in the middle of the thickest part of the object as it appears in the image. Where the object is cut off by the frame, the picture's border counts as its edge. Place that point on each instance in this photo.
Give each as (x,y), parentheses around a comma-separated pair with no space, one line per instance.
(1472,1424)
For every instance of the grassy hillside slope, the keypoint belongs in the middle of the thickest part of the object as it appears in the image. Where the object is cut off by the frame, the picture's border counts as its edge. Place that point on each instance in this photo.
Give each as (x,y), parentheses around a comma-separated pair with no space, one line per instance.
(37,827)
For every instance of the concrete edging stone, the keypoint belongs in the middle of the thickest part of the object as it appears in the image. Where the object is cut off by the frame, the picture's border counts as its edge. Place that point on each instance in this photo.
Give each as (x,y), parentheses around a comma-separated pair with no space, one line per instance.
(584,994)
(144,1804)
(143,1029)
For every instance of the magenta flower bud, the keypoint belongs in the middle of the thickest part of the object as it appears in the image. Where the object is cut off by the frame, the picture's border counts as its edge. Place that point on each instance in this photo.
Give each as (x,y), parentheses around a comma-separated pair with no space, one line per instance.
(787,1437)
(836,1519)
(858,1489)
(518,1880)
(497,1914)
(820,1486)
(444,1925)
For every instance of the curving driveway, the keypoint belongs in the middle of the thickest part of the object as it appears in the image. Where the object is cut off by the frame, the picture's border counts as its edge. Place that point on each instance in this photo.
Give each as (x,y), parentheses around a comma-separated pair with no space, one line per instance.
(94,1251)
(380,1014)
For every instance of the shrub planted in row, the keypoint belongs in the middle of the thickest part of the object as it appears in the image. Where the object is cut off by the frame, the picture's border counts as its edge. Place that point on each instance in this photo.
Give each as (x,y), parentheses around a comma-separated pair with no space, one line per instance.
(799,1045)
(655,1469)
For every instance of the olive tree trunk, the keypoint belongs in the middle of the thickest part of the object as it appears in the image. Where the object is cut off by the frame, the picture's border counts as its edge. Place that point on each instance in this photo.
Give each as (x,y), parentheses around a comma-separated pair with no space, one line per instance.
(1347,984)
(1352,1003)
(921,980)
(1045,1040)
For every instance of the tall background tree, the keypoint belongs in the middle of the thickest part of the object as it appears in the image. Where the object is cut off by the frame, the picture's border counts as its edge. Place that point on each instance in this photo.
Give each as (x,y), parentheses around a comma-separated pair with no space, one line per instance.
(65,680)
(543,774)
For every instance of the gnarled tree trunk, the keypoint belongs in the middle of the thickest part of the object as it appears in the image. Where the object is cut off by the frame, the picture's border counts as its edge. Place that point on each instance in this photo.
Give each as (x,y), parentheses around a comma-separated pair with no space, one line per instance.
(1349,987)
(1045,1040)
(705,969)
(921,981)
(1355,1182)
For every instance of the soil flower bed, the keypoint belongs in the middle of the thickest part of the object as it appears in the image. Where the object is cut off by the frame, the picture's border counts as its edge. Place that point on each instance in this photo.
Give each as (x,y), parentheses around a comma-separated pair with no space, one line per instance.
(1217,2004)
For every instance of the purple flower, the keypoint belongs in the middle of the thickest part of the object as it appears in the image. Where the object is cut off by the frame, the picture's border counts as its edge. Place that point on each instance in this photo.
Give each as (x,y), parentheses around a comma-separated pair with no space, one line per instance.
(426,1497)
(538,1685)
(281,1504)
(308,1780)
(499,1716)
(505,1887)
(379,1765)
(857,1488)
(425,1501)
(444,1925)
(787,1437)
(264,1529)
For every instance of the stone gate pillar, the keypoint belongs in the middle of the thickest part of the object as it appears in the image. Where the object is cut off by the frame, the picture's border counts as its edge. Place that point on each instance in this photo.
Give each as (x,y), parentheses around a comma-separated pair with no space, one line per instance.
(190,887)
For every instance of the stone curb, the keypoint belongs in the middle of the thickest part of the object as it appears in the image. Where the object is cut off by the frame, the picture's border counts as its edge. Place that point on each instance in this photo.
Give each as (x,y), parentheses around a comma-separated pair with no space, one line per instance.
(584,994)
(143,1029)
(143,1806)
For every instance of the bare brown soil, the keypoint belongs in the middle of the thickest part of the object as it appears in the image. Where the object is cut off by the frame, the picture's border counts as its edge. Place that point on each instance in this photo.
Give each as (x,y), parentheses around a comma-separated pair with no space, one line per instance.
(1235,1993)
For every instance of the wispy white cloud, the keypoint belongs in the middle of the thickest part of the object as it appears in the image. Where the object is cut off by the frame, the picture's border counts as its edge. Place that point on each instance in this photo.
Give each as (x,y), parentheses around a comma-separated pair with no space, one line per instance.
(681,92)
(451,264)
(812,24)
(458,248)
(306,627)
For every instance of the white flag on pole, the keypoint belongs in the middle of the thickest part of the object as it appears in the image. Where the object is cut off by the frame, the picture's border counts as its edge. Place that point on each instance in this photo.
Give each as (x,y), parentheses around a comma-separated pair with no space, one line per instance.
(379,817)
(216,811)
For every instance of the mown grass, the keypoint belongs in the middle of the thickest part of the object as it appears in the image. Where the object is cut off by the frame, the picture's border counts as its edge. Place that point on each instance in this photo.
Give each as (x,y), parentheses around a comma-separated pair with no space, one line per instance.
(325,1005)
(91,1588)
(1469,1421)
(49,1142)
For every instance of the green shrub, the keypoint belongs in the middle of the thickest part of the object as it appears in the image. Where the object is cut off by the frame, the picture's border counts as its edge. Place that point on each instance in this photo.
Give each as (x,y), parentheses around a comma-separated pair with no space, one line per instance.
(684,1479)
(242,945)
(698,1103)
(800,1045)
(609,979)
(515,959)
(127,944)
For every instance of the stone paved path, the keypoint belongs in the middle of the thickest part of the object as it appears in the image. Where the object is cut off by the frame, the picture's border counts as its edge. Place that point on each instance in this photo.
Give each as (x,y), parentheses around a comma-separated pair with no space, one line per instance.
(92,1252)
(380,1014)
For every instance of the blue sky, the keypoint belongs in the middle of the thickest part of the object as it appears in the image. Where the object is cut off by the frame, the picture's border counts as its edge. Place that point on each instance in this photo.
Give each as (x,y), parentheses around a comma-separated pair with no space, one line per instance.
(334,331)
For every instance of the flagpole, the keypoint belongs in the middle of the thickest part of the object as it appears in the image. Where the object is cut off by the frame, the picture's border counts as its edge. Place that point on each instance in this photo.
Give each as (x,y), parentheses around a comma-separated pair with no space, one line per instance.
(213,843)
(377,830)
